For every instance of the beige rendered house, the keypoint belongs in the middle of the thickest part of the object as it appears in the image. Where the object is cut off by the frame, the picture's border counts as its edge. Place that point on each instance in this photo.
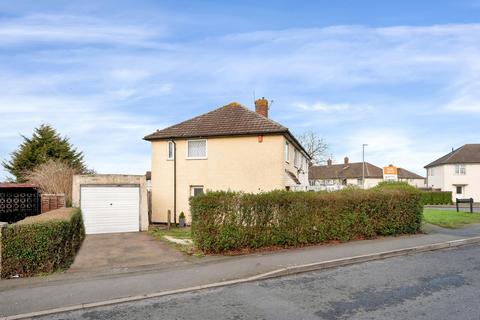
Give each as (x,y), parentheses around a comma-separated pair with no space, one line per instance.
(457,171)
(229,148)
(337,176)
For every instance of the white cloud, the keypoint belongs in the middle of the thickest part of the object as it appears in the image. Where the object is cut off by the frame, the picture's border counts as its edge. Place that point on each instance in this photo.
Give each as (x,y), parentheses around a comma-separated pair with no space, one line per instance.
(466,97)
(72,29)
(107,84)
(390,146)
(322,106)
(325,107)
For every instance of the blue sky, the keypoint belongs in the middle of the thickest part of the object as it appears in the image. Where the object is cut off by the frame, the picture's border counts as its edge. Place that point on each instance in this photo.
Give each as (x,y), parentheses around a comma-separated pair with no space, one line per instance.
(402,76)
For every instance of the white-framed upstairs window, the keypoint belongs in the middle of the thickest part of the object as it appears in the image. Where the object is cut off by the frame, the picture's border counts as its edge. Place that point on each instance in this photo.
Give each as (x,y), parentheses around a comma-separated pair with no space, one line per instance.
(287,151)
(460,170)
(197,149)
(296,159)
(170,150)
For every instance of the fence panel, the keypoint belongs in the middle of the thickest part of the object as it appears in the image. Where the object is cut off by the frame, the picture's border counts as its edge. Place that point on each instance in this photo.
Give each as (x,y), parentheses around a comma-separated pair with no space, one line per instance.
(16,204)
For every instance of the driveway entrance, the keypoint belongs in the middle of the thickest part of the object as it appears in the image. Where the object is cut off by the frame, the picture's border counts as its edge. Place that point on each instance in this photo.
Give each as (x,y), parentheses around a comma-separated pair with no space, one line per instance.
(123,251)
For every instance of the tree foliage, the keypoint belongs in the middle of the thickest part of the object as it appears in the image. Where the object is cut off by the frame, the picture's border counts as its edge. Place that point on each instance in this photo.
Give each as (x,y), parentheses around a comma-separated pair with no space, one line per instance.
(315,145)
(53,176)
(45,144)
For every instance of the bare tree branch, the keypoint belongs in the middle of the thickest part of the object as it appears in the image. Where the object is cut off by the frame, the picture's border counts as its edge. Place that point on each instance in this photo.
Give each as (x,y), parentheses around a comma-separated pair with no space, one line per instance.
(315,145)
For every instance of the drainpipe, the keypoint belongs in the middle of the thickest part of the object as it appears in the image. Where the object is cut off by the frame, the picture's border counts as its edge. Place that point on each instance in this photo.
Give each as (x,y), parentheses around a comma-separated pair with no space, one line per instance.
(174,182)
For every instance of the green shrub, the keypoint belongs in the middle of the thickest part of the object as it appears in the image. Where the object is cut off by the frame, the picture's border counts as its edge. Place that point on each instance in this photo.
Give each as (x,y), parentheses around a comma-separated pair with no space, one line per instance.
(394,185)
(436,197)
(223,221)
(41,247)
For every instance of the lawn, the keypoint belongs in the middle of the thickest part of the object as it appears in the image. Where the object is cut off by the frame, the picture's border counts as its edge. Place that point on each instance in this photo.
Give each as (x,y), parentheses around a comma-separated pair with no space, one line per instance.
(449,218)
(179,233)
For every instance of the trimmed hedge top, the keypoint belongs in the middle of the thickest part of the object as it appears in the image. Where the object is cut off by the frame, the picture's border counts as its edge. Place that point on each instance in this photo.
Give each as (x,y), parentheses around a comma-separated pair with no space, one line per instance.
(223,221)
(33,246)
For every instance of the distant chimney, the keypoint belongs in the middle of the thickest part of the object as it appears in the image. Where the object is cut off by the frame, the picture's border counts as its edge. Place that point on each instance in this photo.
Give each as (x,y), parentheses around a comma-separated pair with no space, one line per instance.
(329,162)
(261,107)
(345,160)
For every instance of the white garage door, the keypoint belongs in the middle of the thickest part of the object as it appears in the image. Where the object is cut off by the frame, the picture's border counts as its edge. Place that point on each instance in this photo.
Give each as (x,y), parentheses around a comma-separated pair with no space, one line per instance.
(108,209)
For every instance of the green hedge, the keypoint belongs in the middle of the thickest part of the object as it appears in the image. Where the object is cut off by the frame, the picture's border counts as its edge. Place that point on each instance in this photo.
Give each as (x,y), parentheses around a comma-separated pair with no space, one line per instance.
(41,247)
(437,197)
(223,221)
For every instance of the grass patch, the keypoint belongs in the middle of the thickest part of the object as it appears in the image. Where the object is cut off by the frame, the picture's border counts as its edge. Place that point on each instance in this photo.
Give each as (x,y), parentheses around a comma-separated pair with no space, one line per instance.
(450,218)
(179,233)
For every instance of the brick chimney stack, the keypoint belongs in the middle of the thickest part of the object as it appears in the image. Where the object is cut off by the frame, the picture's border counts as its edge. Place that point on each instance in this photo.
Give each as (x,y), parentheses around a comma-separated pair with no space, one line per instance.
(345,161)
(261,107)
(329,162)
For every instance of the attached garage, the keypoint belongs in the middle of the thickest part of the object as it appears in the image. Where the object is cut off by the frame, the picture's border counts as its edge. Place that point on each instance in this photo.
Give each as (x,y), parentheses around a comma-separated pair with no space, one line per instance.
(111,203)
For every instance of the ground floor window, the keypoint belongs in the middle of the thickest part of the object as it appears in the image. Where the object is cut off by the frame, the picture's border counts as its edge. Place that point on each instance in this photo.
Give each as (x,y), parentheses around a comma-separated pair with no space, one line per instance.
(196,190)
(459,189)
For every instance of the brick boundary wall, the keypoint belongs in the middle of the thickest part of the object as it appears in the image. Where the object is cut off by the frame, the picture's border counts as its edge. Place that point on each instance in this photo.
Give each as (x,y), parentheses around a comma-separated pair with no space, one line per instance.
(51,202)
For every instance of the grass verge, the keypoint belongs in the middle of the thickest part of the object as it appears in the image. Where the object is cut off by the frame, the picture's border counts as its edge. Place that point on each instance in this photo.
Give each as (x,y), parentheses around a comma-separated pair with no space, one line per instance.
(179,233)
(449,218)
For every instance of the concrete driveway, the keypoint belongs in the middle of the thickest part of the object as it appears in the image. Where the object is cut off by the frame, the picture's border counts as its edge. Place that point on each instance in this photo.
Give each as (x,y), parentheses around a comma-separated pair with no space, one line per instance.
(117,252)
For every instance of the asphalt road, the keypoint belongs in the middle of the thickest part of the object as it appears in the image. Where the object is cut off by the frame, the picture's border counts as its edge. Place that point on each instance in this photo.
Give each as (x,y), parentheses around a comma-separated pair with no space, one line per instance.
(434,285)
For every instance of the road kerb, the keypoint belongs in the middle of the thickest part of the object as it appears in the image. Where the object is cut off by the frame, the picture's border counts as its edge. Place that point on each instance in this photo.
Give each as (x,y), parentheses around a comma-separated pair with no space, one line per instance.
(271,274)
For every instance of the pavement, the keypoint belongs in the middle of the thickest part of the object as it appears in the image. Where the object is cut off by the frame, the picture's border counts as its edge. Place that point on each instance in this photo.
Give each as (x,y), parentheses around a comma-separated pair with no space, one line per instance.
(426,286)
(19,296)
(452,207)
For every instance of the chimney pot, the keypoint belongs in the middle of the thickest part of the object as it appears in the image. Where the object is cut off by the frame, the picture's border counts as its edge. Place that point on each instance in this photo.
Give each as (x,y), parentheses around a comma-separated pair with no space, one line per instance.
(329,162)
(345,160)
(261,107)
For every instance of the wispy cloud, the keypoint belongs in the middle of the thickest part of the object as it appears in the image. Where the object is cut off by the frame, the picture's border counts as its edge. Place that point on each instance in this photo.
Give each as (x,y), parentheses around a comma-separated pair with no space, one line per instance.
(72,29)
(466,97)
(107,84)
(325,107)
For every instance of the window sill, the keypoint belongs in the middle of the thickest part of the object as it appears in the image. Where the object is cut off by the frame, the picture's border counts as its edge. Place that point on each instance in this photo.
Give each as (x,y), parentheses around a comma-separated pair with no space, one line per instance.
(202,158)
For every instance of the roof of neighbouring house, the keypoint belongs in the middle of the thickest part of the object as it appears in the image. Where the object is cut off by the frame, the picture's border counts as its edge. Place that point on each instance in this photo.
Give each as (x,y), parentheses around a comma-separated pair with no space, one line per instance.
(231,120)
(354,170)
(17,185)
(468,153)
(344,171)
(405,174)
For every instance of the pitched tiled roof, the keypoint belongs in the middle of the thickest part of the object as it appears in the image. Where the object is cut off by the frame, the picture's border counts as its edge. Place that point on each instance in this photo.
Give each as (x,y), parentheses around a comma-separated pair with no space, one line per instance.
(469,153)
(405,174)
(232,119)
(344,171)
(354,170)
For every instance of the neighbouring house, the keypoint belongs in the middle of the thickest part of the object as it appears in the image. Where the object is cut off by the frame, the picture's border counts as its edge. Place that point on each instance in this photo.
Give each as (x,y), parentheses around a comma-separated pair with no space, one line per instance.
(458,172)
(337,176)
(229,148)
